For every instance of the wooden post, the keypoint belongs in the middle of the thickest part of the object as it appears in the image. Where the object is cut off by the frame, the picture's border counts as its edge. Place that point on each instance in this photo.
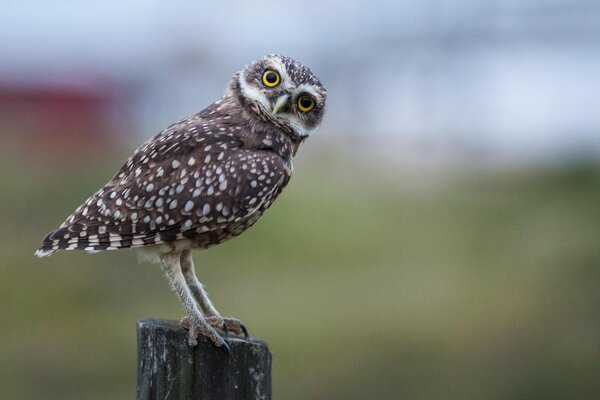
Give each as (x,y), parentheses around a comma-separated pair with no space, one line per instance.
(169,369)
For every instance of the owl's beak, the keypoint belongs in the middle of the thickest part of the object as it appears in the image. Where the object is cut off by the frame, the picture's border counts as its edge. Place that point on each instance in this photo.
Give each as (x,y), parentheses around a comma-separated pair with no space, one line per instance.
(280,103)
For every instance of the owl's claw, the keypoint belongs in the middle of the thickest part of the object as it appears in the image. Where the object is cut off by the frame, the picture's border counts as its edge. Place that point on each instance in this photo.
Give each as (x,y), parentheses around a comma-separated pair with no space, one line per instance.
(197,325)
(226,347)
(243,327)
(228,324)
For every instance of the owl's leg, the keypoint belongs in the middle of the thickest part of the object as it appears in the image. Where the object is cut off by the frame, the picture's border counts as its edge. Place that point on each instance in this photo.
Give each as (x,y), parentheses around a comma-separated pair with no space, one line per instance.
(212,315)
(194,321)
(187,267)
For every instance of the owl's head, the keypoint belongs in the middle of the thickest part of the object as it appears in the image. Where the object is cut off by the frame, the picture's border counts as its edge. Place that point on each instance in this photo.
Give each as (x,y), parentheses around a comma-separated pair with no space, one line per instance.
(280,90)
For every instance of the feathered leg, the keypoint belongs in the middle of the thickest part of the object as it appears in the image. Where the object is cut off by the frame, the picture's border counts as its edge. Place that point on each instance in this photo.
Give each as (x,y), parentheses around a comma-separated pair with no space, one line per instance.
(194,321)
(212,315)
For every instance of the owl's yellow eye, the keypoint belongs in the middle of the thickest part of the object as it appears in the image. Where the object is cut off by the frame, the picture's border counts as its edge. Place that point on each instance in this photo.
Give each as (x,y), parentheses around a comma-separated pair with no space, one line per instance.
(305,103)
(271,78)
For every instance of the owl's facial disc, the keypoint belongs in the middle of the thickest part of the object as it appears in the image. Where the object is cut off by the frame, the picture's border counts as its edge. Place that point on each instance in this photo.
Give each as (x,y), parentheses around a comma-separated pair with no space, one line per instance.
(283,91)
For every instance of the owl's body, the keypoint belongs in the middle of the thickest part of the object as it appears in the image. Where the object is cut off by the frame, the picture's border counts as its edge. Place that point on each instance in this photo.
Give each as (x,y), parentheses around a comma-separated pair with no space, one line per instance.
(203,180)
(200,181)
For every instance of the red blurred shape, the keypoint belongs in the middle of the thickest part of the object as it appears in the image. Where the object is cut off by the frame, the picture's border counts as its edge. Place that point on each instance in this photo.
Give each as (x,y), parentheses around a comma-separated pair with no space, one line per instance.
(63,114)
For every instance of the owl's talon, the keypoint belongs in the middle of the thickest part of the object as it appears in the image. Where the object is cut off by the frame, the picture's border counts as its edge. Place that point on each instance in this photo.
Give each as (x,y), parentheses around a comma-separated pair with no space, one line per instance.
(228,325)
(185,323)
(197,325)
(226,347)
(243,327)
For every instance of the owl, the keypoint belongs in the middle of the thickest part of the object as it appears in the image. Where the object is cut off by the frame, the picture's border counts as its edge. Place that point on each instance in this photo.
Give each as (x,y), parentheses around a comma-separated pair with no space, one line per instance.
(202,181)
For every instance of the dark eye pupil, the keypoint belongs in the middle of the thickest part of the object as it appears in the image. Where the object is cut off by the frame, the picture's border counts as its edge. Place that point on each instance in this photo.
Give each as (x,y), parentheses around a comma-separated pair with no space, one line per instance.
(271,77)
(305,102)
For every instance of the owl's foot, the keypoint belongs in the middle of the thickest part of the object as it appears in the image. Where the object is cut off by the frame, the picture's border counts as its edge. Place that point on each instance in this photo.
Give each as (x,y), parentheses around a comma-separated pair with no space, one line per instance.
(197,325)
(228,325)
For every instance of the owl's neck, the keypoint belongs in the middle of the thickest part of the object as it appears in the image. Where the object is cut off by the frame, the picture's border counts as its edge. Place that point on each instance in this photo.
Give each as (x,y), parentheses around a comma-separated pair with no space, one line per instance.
(250,131)
(270,140)
(259,134)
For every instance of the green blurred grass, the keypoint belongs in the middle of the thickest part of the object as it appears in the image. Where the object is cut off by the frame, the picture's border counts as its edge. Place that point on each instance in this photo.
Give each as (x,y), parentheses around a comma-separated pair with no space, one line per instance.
(366,282)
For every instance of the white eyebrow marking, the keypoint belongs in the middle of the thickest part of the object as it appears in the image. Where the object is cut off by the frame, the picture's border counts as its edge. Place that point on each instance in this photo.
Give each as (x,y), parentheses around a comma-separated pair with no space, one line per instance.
(308,88)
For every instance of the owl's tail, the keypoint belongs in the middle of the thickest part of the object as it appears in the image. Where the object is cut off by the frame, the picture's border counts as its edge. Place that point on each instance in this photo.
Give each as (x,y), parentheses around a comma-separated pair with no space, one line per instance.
(44,253)
(48,247)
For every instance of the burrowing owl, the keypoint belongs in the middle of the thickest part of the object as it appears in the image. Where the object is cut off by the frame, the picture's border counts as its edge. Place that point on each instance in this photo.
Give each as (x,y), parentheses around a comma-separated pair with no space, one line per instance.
(202,181)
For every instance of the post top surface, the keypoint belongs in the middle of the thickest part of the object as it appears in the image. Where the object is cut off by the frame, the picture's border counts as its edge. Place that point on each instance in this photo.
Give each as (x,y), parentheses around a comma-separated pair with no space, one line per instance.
(175,328)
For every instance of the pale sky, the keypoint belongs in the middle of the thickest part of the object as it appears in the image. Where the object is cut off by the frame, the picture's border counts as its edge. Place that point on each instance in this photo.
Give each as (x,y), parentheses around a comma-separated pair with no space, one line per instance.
(516,78)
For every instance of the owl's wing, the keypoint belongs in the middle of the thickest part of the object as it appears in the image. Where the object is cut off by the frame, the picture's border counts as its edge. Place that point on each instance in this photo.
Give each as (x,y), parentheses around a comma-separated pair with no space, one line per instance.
(184,183)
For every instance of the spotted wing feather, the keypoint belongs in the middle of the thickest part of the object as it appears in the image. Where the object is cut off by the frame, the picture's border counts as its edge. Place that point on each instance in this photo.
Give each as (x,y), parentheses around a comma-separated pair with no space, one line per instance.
(194,180)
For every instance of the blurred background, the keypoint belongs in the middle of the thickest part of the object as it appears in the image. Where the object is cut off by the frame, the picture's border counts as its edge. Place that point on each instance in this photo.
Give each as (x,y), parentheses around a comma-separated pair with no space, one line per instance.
(440,237)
